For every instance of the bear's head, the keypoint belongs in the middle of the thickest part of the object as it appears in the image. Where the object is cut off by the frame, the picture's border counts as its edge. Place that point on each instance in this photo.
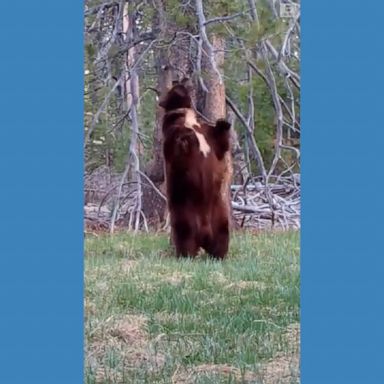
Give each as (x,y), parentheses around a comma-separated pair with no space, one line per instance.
(177,97)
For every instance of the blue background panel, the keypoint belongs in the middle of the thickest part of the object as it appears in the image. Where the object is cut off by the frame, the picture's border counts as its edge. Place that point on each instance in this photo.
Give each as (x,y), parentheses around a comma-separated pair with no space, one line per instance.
(342,212)
(41,173)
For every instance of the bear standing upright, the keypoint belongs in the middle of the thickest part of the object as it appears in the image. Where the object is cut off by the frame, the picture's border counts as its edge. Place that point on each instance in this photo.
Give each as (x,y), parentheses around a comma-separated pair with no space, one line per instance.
(195,171)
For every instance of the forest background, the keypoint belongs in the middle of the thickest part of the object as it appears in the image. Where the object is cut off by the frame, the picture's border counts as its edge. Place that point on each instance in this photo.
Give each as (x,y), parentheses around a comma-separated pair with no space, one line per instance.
(243,58)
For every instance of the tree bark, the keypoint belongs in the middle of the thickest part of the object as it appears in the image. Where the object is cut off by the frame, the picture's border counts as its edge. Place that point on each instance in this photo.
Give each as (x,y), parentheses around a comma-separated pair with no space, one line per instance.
(215,105)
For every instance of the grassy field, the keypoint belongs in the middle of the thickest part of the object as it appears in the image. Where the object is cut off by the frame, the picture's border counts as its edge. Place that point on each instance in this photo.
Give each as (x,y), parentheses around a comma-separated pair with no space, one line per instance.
(150,318)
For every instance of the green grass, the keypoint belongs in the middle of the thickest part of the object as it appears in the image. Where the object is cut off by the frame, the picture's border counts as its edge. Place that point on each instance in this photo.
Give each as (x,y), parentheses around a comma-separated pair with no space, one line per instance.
(152,318)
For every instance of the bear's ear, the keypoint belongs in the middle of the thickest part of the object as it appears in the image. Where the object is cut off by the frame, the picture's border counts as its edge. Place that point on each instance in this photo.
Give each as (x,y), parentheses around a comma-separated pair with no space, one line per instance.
(180,91)
(177,97)
(223,125)
(187,82)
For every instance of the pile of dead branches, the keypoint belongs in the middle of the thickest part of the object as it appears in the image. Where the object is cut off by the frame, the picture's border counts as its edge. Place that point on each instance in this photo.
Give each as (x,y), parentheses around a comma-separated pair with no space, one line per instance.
(256,205)
(275,205)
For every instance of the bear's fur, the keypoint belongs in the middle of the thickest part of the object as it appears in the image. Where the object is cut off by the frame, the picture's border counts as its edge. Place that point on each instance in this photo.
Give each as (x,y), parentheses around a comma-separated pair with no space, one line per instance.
(195,169)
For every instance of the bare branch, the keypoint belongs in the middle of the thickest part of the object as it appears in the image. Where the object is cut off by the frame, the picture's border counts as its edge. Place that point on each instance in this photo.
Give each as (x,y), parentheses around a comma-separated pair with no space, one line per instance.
(279,113)
(284,69)
(221,19)
(103,105)
(204,37)
(253,9)
(287,36)
(98,8)
(116,204)
(153,185)
(254,146)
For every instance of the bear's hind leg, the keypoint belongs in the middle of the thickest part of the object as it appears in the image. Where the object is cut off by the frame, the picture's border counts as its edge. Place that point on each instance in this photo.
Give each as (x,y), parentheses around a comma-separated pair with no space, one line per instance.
(184,239)
(218,248)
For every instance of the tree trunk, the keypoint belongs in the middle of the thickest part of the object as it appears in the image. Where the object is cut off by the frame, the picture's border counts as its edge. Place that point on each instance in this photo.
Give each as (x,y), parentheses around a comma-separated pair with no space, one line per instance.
(215,105)
(239,160)
(132,169)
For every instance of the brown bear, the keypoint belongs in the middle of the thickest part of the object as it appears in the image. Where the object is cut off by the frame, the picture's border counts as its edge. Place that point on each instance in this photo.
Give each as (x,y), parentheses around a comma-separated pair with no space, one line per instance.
(196,179)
